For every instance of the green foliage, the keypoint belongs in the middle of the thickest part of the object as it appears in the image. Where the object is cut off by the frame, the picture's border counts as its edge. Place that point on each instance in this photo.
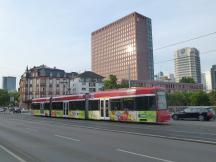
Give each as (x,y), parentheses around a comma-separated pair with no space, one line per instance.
(123,85)
(111,83)
(176,99)
(15,95)
(4,97)
(212,98)
(199,98)
(187,80)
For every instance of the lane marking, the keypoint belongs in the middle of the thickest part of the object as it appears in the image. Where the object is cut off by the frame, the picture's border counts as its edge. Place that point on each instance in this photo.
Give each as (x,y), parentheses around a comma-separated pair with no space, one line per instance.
(119,131)
(137,127)
(30,129)
(212,134)
(142,155)
(136,133)
(51,120)
(148,135)
(194,123)
(12,154)
(68,138)
(146,128)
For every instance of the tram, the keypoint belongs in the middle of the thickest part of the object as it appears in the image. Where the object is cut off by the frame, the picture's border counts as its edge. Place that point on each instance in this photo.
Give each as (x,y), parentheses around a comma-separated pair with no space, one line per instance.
(136,104)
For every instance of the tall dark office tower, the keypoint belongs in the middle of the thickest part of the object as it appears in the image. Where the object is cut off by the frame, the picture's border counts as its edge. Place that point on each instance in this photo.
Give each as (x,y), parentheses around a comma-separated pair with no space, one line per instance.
(9,83)
(124,48)
(213,76)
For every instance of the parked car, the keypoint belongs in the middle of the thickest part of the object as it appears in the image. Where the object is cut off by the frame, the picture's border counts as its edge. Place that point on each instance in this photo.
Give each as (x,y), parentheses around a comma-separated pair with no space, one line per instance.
(11,109)
(195,113)
(25,110)
(2,109)
(16,110)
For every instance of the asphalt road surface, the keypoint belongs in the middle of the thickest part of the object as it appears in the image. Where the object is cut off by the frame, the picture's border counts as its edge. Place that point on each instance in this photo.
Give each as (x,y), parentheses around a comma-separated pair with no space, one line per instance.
(25,138)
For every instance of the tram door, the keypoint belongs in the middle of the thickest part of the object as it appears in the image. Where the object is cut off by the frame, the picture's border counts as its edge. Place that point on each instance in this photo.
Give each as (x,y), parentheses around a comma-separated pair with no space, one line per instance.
(65,109)
(42,109)
(104,109)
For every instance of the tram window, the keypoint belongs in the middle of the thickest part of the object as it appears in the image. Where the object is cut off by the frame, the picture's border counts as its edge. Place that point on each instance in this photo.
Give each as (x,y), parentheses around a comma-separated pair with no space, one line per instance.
(57,105)
(35,106)
(152,102)
(141,103)
(77,105)
(128,103)
(46,106)
(107,103)
(71,105)
(94,104)
(116,104)
(145,103)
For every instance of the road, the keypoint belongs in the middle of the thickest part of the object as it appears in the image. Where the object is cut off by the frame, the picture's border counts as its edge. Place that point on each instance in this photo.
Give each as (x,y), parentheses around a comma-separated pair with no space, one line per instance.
(25,138)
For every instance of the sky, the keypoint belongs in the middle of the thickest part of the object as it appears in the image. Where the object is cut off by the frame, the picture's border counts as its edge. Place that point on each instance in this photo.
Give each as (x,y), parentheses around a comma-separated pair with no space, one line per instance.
(58,32)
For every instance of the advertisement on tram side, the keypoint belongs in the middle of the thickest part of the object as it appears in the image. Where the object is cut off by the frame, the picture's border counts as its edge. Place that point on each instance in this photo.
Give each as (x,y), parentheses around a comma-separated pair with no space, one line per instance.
(137,116)
(123,115)
(36,112)
(76,114)
(94,114)
(147,116)
(46,112)
(57,113)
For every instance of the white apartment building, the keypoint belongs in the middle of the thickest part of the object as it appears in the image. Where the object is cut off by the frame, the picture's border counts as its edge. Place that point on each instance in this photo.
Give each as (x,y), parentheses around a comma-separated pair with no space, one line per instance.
(86,82)
(187,64)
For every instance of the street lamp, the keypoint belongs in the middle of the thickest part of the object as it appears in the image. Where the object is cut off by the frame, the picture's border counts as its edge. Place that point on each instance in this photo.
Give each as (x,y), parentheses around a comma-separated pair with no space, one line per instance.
(129,50)
(129,78)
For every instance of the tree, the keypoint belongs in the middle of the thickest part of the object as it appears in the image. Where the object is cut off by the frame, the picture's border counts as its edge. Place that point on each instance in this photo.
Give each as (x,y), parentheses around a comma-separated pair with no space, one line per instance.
(4,97)
(212,98)
(111,83)
(199,99)
(15,95)
(190,99)
(176,99)
(124,84)
(187,80)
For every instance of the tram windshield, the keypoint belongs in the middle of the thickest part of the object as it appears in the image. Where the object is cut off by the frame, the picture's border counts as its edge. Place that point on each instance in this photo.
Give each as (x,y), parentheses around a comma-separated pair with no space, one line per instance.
(162,104)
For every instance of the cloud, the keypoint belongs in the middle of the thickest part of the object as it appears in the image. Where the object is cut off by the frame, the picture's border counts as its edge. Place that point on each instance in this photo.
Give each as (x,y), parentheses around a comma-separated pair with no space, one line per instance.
(58,33)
